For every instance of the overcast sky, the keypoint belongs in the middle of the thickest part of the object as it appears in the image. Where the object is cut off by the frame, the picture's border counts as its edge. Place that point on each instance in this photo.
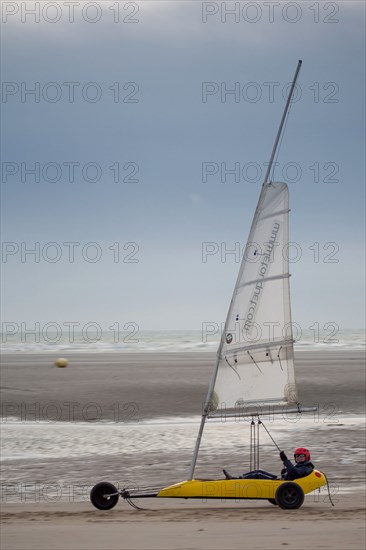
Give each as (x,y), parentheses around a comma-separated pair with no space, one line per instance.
(136,98)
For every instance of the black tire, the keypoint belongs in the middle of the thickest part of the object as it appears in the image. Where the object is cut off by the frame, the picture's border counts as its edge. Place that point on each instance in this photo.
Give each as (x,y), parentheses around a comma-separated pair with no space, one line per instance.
(100,498)
(272,501)
(289,496)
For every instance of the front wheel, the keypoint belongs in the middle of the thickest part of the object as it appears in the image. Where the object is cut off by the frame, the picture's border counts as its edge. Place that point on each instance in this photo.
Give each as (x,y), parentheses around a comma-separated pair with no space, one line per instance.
(104,496)
(289,496)
(272,501)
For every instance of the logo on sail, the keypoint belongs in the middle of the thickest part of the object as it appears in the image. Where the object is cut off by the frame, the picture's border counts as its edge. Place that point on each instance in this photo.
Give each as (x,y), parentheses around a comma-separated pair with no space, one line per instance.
(229,338)
(249,318)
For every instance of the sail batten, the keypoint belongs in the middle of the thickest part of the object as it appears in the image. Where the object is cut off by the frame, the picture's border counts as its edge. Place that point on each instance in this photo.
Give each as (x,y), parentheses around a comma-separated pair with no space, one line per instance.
(262,346)
(264,279)
(256,350)
(272,215)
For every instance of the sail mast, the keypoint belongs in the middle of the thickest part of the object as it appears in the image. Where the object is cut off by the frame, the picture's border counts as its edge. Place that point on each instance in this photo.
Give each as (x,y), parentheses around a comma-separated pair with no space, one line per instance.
(282,122)
(215,371)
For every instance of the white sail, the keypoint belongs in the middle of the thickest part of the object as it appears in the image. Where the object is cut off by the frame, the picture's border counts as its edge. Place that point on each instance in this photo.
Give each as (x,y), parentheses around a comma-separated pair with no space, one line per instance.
(256,351)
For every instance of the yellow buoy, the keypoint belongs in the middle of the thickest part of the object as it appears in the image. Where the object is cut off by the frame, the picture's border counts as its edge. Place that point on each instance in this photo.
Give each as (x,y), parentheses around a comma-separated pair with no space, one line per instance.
(61,362)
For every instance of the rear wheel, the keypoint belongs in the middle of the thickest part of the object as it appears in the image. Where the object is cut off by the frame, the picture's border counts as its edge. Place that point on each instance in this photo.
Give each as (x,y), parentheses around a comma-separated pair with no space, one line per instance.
(104,496)
(272,501)
(289,496)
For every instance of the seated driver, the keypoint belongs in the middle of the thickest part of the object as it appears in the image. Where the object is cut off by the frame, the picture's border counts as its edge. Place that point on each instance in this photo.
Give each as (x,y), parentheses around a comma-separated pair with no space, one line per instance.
(303,466)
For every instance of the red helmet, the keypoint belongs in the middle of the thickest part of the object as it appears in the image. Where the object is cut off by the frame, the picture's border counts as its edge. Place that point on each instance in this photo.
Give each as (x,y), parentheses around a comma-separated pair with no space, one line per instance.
(302,451)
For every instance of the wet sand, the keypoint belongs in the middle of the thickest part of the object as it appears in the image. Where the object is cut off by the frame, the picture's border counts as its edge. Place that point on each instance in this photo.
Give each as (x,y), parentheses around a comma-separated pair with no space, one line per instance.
(165,385)
(158,384)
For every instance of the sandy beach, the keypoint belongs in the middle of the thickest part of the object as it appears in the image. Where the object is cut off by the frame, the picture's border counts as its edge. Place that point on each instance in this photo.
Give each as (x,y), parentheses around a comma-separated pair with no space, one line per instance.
(159,384)
(131,419)
(183,525)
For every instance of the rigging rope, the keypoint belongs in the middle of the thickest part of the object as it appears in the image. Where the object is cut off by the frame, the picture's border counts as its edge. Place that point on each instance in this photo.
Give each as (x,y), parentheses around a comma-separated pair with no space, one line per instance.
(326,479)
(279,358)
(129,501)
(258,445)
(254,361)
(260,422)
(251,447)
(254,445)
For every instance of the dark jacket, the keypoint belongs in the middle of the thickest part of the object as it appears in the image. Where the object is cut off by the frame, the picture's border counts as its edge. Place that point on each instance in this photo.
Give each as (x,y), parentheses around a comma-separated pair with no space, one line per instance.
(300,469)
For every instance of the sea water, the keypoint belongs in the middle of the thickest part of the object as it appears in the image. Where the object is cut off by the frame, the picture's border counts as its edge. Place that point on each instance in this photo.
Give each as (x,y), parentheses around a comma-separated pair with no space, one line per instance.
(132,339)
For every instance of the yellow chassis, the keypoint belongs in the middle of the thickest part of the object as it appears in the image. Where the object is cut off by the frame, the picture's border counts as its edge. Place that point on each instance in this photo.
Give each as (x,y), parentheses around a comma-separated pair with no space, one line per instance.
(238,488)
(288,495)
